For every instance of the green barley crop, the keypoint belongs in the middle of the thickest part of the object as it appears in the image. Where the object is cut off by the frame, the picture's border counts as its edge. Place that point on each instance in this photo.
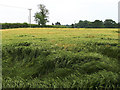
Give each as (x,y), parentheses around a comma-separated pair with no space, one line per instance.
(60,58)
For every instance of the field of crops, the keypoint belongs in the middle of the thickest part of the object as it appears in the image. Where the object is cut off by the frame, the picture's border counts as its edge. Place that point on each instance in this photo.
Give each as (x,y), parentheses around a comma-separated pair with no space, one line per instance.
(60,58)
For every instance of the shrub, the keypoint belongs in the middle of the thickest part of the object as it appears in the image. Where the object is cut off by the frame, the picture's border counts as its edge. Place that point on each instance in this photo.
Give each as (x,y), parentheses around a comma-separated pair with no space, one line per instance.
(25,25)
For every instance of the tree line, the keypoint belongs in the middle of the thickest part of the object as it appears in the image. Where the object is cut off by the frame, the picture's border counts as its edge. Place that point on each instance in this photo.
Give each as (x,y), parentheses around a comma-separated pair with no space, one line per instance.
(41,18)
(108,23)
(26,25)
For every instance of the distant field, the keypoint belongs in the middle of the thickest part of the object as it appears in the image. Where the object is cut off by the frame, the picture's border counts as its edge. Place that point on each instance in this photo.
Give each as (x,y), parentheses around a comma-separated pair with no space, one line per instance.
(60,58)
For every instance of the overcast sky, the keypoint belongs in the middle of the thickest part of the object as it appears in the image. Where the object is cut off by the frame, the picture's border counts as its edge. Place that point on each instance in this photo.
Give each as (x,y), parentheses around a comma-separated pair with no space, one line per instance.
(64,11)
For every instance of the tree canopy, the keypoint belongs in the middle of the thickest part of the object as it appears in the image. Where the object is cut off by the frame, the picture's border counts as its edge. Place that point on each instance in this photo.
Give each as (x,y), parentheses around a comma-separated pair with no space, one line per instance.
(41,17)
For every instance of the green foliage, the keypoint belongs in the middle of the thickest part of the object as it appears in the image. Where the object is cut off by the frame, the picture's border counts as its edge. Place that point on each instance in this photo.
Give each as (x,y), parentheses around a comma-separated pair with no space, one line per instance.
(14,25)
(108,23)
(57,23)
(83,24)
(41,17)
(25,25)
(98,24)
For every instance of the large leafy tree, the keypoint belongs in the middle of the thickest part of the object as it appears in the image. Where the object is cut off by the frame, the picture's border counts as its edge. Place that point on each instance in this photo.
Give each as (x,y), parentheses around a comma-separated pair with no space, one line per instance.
(97,24)
(109,23)
(83,24)
(41,17)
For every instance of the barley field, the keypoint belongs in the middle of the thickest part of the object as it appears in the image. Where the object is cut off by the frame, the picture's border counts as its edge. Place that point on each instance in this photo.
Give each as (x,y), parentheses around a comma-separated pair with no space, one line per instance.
(60,58)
